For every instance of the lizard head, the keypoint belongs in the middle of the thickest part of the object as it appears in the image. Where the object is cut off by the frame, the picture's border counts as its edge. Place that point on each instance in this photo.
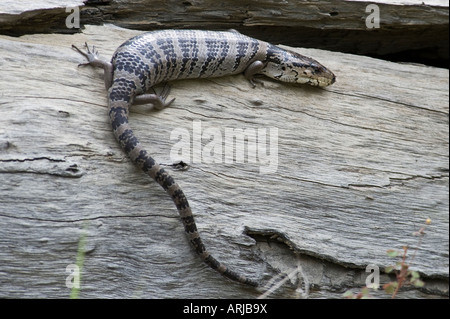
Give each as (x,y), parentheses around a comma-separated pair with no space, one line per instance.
(289,66)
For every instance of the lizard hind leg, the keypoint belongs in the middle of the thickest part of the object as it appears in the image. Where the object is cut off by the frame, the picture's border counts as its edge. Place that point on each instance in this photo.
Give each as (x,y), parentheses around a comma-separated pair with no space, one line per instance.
(158,100)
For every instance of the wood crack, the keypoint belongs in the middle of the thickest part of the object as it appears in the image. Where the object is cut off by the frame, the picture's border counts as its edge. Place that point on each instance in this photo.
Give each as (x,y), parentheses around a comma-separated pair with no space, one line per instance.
(41,165)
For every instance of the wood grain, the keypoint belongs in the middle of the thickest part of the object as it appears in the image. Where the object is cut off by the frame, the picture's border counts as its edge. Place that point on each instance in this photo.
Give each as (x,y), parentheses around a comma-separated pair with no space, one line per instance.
(360,166)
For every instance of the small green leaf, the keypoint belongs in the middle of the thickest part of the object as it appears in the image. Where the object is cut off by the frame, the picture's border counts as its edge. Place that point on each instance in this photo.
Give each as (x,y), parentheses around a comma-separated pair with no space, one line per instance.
(365,292)
(348,294)
(414,275)
(389,269)
(418,283)
(390,287)
(392,253)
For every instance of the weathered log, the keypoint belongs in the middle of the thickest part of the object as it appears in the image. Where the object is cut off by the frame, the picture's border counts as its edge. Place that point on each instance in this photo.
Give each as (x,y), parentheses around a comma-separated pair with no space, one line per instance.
(415,31)
(358,167)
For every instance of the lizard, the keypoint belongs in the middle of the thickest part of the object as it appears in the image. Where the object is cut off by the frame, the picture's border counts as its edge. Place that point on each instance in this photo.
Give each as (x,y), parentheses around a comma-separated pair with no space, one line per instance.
(161,56)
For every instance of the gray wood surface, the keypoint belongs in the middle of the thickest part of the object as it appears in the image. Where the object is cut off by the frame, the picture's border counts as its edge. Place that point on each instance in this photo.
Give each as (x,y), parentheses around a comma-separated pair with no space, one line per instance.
(360,166)
(417,27)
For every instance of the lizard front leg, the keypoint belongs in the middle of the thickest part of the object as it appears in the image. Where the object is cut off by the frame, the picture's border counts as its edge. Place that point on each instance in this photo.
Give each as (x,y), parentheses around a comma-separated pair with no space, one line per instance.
(96,62)
(253,69)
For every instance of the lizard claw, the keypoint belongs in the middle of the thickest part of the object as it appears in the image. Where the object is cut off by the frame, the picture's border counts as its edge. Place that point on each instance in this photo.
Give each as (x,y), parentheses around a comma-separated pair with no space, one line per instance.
(163,96)
(90,55)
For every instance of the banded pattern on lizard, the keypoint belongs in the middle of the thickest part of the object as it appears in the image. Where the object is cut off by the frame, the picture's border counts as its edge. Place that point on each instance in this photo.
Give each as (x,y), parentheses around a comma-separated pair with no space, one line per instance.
(161,56)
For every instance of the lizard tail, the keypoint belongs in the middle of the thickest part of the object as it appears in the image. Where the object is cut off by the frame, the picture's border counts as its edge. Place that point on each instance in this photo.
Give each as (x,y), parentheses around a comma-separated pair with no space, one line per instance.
(118,113)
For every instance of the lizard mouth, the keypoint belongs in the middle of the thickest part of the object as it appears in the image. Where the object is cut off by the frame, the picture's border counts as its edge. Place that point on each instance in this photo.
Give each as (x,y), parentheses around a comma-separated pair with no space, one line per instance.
(320,81)
(325,81)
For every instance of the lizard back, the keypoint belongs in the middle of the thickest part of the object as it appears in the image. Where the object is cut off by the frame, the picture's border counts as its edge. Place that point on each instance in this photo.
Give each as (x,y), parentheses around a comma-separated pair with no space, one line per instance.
(162,56)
